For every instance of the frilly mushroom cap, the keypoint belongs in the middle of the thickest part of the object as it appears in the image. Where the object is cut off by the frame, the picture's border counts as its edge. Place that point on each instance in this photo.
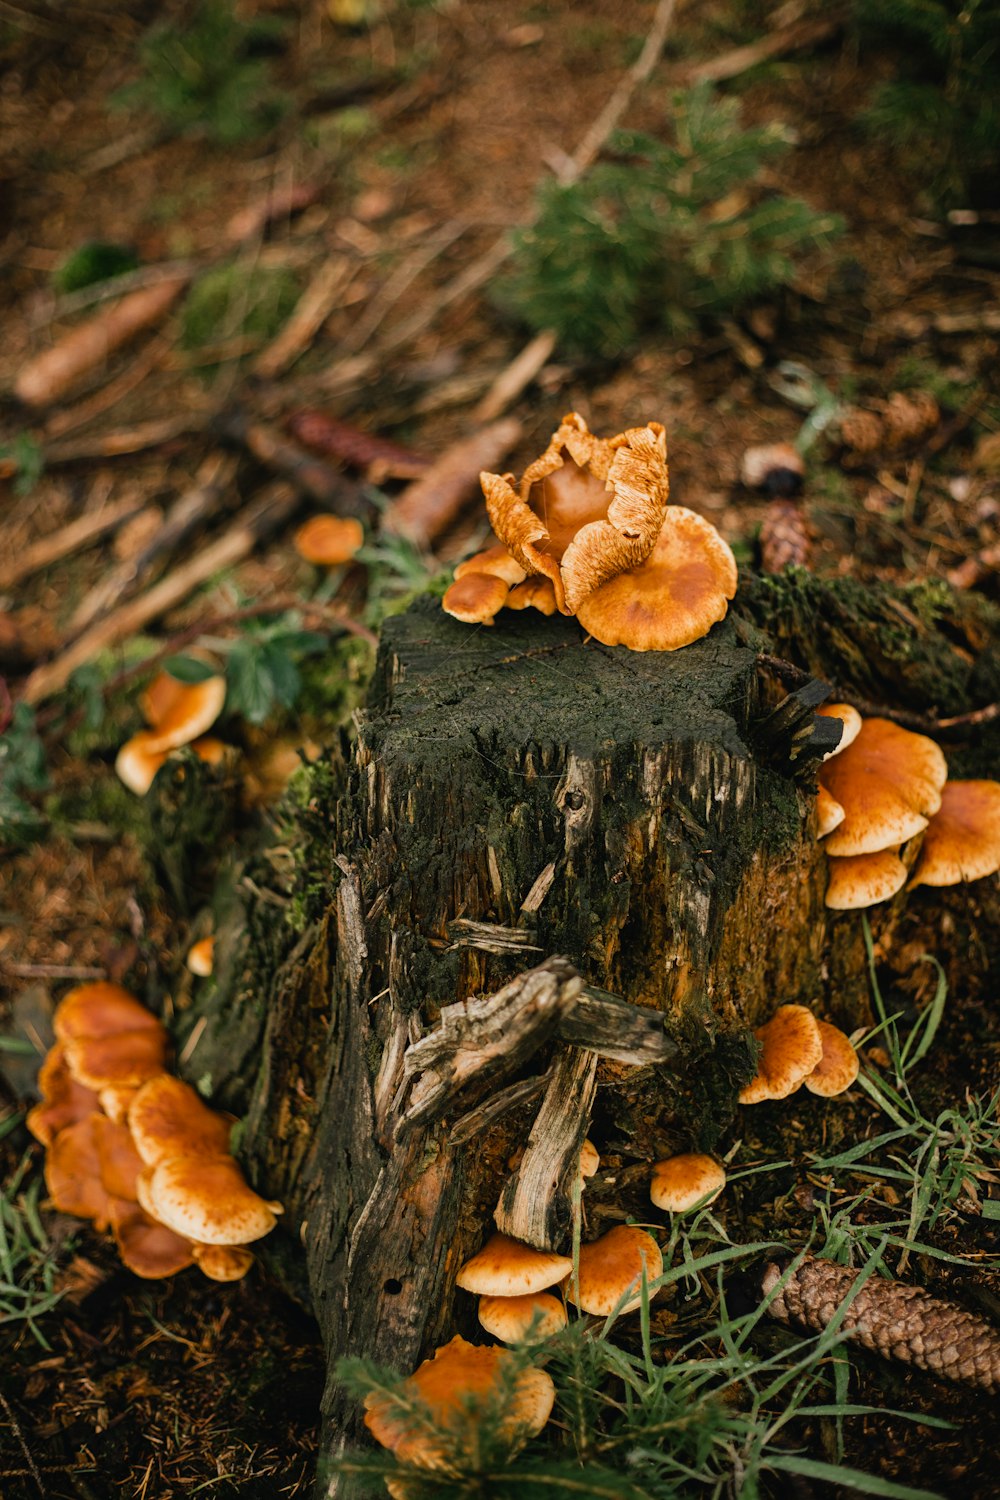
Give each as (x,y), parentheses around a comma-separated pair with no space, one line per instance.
(496,561)
(587,509)
(475,598)
(73,1173)
(459,1384)
(681,1182)
(64,1101)
(888,782)
(534,593)
(122,1060)
(850,721)
(506,1268)
(792,1048)
(201,956)
(168,1119)
(962,840)
(118,1161)
(191,713)
(207,1201)
(223,1262)
(855,881)
(519,1320)
(611,1267)
(100,1009)
(148,1249)
(673,598)
(829,813)
(329,540)
(837,1068)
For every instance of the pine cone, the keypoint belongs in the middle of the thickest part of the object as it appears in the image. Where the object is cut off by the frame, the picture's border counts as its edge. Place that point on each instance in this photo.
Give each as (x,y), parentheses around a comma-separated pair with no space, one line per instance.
(909,418)
(861,431)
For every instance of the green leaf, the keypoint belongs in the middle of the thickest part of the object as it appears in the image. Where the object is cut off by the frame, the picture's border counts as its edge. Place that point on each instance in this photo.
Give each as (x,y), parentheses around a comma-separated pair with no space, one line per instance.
(188,669)
(991,1208)
(851,1479)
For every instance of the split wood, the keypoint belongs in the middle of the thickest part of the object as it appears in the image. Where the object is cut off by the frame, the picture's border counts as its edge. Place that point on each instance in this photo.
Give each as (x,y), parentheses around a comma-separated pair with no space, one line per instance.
(256,521)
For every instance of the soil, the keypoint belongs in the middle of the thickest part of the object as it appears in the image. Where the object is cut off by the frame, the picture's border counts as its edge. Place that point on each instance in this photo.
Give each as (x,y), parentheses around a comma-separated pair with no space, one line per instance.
(425,115)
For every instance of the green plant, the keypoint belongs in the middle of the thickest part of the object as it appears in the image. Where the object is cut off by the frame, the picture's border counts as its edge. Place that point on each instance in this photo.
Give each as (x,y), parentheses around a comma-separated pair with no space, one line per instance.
(234,300)
(23,772)
(262,665)
(27,1263)
(24,455)
(942,111)
(662,235)
(93,262)
(209,78)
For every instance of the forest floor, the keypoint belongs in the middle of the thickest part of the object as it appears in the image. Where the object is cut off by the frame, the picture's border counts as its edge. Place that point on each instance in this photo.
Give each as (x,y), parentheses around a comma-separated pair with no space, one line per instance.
(417,139)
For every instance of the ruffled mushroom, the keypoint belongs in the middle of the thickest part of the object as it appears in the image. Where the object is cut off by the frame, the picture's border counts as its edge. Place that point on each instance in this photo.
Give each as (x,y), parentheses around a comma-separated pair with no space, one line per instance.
(672,598)
(147,1248)
(888,782)
(588,509)
(791,1049)
(457,1386)
(63,1101)
(962,840)
(73,1174)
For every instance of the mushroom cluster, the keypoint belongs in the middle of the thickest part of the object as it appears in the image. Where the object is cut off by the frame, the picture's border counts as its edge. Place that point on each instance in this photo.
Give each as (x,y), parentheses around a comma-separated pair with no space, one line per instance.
(588,532)
(882,787)
(178,714)
(798,1049)
(134,1149)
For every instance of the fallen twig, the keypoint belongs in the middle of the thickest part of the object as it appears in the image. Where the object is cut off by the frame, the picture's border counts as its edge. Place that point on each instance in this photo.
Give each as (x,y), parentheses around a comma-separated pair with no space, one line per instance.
(309,475)
(126,440)
(514,377)
(255,522)
(311,312)
(793,38)
(432,503)
(108,395)
(378,456)
(68,539)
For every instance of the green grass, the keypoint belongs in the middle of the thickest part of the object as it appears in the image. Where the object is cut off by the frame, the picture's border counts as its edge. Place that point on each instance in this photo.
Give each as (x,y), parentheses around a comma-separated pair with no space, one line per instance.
(27,1258)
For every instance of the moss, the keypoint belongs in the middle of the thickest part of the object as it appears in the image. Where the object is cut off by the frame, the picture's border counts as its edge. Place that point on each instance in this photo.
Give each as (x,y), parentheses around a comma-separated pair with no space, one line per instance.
(234,299)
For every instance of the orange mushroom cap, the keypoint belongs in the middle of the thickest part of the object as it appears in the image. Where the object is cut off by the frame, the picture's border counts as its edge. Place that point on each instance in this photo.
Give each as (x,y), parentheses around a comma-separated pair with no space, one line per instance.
(64,1101)
(223,1262)
(962,840)
(850,721)
(519,1320)
(682,1182)
(496,561)
(829,813)
(534,593)
(673,598)
(136,764)
(119,1163)
(191,713)
(100,1009)
(200,957)
(611,1267)
(506,1268)
(855,881)
(208,1201)
(837,1068)
(122,1060)
(888,782)
(168,1120)
(73,1173)
(587,509)
(147,1248)
(329,540)
(792,1048)
(457,1385)
(115,1100)
(475,598)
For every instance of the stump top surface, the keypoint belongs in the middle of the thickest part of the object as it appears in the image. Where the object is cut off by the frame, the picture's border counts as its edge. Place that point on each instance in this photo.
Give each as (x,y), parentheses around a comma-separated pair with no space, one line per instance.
(533,678)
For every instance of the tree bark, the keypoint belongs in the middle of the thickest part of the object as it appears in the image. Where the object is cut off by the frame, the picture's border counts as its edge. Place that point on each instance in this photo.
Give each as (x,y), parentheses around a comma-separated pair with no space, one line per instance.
(604,863)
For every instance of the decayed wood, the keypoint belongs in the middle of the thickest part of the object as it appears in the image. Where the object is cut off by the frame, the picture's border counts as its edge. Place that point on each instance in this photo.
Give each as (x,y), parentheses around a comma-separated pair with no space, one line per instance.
(536,1203)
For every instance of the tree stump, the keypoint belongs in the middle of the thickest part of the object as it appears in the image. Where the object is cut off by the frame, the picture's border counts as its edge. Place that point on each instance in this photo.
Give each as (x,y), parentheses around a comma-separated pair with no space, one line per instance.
(631,832)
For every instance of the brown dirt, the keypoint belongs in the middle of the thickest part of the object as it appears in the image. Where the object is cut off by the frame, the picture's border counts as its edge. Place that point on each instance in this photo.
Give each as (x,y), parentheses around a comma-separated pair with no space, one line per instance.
(150,1390)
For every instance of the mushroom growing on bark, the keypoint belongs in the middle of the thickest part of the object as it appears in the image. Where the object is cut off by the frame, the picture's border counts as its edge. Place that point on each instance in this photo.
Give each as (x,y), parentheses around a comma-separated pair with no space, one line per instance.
(791,1049)
(962,839)
(506,1268)
(888,782)
(856,881)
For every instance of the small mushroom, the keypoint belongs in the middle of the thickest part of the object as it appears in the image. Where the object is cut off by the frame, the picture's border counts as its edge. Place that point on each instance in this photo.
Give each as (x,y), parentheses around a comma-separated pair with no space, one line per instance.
(837,1068)
(962,839)
(856,881)
(672,598)
(589,1159)
(147,1248)
(100,1009)
(73,1173)
(791,1049)
(64,1101)
(520,1320)
(496,561)
(888,782)
(456,1386)
(123,1060)
(534,593)
(192,711)
(328,541)
(200,957)
(506,1268)
(611,1268)
(223,1262)
(829,813)
(683,1182)
(850,720)
(475,599)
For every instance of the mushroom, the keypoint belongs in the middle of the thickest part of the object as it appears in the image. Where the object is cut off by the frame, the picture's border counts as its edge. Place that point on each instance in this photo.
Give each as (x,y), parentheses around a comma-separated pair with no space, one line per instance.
(856,881)
(829,813)
(63,1102)
(168,1120)
(522,1320)
(496,562)
(837,1068)
(672,598)
(611,1269)
(686,1181)
(506,1268)
(791,1049)
(148,1248)
(119,1163)
(588,509)
(456,1387)
(223,1262)
(100,1009)
(328,541)
(589,1159)
(850,720)
(534,593)
(123,1060)
(73,1173)
(200,957)
(136,764)
(888,782)
(475,599)
(207,1201)
(962,839)
(184,713)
